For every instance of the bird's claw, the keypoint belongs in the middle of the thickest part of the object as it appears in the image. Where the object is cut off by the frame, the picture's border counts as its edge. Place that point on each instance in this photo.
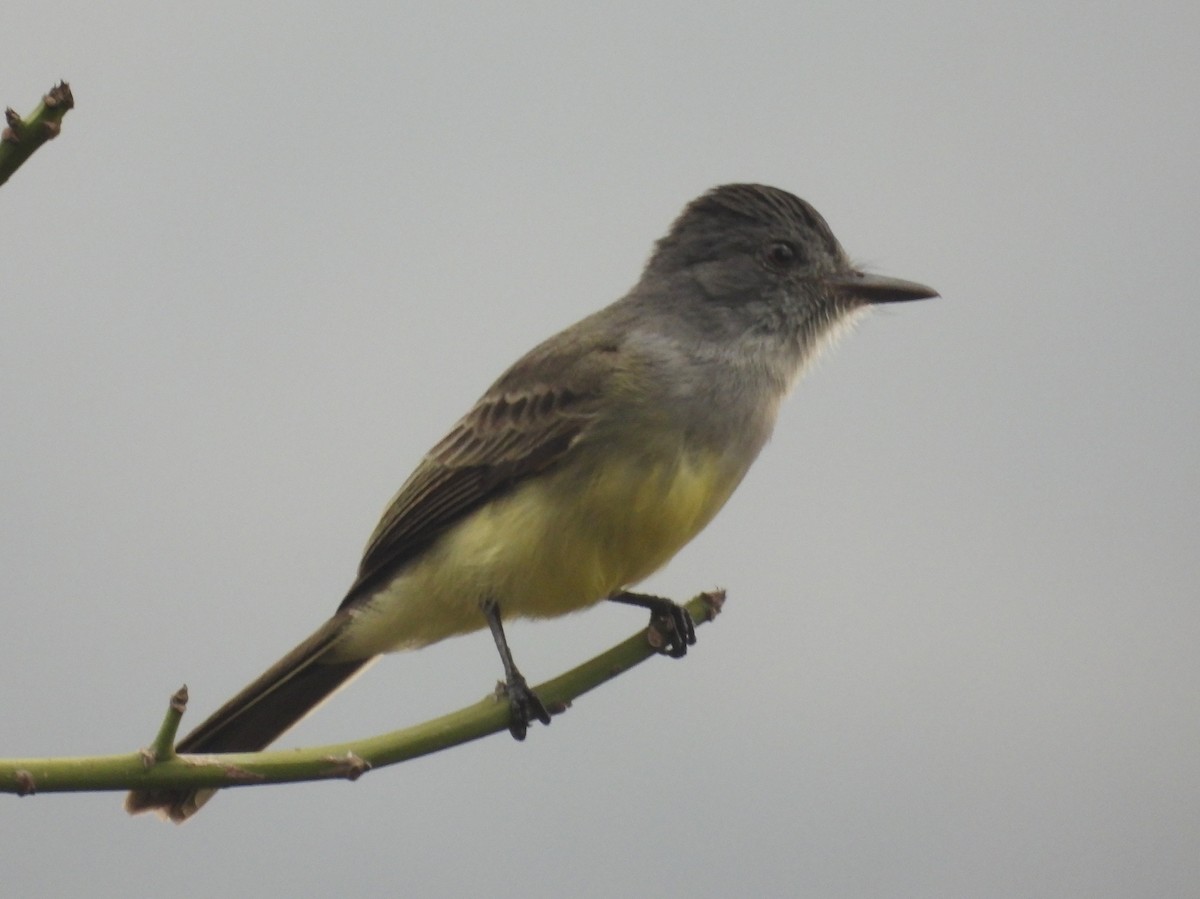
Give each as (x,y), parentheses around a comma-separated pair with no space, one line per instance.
(524,706)
(672,629)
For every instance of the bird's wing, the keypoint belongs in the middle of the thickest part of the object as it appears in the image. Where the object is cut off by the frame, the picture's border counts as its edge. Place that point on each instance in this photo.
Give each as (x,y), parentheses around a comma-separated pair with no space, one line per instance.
(512,433)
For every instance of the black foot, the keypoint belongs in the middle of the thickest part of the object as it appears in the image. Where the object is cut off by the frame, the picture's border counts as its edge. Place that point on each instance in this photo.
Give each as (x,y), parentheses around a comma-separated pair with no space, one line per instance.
(672,630)
(524,707)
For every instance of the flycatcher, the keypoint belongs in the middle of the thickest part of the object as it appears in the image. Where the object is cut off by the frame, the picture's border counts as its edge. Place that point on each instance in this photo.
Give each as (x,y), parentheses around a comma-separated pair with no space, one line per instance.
(586,466)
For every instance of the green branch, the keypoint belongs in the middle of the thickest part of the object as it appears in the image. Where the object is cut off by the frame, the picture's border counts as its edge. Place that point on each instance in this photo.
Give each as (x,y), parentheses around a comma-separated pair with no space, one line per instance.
(158,767)
(23,136)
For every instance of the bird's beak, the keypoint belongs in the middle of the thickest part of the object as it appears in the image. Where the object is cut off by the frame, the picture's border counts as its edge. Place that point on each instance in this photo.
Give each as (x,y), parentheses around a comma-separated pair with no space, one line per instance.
(878,289)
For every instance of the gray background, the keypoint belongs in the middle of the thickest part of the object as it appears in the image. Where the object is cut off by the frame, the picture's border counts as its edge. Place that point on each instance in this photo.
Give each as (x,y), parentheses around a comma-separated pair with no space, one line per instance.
(279,248)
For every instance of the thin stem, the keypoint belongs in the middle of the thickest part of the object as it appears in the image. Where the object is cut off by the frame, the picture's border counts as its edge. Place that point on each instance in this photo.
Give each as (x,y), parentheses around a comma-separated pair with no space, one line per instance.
(341,760)
(163,747)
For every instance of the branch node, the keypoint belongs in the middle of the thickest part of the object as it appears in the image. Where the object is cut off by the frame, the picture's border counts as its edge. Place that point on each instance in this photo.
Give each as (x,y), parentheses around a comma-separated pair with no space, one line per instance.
(350,766)
(26,785)
(242,775)
(655,638)
(12,134)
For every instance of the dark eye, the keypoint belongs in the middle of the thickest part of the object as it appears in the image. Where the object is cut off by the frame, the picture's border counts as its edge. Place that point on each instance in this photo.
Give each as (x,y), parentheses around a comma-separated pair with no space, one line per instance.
(781,254)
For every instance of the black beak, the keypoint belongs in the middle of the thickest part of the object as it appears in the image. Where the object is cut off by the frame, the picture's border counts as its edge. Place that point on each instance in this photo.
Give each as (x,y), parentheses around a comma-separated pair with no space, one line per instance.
(878,289)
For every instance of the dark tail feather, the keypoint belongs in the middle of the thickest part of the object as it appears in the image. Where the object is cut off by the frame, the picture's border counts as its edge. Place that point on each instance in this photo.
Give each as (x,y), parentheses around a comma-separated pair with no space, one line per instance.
(258,715)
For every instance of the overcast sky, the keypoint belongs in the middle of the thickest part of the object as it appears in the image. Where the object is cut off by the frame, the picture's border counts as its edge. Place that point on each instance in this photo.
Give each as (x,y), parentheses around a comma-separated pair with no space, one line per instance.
(280,248)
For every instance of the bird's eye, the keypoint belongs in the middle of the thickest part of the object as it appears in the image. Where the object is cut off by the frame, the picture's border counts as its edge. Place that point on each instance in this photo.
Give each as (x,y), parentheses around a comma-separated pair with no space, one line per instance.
(781,254)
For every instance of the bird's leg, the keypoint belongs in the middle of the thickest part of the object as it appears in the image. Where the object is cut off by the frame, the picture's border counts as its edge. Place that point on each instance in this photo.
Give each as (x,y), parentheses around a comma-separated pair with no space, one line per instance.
(524,705)
(670,622)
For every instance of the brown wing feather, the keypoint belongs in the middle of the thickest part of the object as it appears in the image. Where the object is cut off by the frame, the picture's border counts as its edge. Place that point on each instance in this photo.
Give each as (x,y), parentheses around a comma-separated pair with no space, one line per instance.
(507,436)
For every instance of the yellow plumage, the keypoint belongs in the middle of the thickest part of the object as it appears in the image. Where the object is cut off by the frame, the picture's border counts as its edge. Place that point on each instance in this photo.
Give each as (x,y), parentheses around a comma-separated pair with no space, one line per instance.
(554,545)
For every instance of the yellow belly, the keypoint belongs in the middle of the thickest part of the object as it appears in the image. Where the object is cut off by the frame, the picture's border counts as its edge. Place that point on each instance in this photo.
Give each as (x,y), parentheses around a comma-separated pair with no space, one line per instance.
(558,543)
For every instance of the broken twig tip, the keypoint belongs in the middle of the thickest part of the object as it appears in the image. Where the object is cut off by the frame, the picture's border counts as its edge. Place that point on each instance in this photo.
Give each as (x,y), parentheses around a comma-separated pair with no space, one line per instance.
(714,602)
(22,136)
(60,95)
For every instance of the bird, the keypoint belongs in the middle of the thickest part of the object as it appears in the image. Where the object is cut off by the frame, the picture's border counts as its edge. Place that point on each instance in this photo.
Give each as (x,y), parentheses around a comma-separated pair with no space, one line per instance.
(587,464)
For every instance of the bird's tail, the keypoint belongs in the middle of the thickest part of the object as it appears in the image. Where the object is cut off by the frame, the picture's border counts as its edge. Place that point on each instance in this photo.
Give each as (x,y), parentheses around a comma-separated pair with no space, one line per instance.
(258,715)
